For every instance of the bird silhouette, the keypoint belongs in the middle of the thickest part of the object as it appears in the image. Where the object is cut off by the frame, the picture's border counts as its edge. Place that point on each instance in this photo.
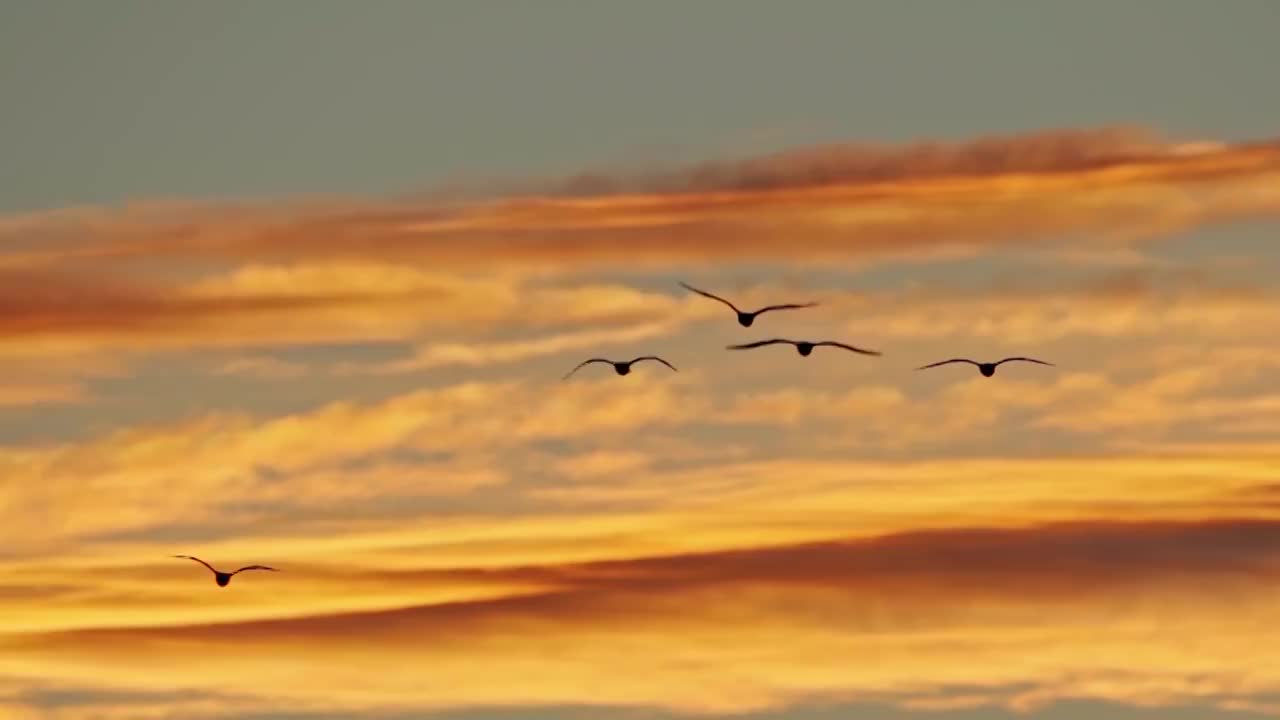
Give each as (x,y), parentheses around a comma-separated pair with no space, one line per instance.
(222,578)
(804,347)
(987,369)
(622,368)
(746,318)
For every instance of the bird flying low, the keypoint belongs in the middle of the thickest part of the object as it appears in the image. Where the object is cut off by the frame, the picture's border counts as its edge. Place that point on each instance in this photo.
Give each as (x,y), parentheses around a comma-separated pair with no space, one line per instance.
(804,347)
(987,369)
(222,578)
(620,367)
(745,319)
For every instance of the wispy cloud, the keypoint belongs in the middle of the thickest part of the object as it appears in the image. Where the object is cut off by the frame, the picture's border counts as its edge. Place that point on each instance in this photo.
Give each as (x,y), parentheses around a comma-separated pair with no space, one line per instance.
(474,354)
(370,399)
(828,202)
(758,628)
(262,367)
(197,471)
(43,394)
(1123,305)
(316,272)
(264,306)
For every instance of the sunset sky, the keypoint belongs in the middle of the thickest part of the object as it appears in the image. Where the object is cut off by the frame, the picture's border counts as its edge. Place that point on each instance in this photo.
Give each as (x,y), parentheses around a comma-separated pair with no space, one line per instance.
(295,284)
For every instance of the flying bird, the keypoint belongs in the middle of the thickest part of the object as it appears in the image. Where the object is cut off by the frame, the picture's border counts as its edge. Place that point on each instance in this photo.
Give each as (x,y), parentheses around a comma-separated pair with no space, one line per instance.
(803,347)
(987,369)
(746,318)
(622,368)
(222,578)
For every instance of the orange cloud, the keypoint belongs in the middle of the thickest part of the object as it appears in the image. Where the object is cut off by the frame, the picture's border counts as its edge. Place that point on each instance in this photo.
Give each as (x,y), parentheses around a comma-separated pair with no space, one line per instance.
(320,273)
(35,307)
(720,539)
(431,355)
(1183,606)
(332,456)
(1122,305)
(44,313)
(41,394)
(830,202)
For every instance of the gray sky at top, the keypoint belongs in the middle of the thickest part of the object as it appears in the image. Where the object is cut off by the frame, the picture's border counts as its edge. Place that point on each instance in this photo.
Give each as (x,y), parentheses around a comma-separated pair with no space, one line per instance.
(104,102)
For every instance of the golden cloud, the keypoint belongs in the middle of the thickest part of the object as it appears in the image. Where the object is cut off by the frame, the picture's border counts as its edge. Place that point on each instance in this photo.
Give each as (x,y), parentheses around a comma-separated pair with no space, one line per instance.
(720,539)
(1123,305)
(12,395)
(44,314)
(332,455)
(316,272)
(1039,609)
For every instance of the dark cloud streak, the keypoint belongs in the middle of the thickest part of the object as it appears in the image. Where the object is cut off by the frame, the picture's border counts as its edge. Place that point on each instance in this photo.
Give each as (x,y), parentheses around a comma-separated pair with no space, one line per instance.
(927,571)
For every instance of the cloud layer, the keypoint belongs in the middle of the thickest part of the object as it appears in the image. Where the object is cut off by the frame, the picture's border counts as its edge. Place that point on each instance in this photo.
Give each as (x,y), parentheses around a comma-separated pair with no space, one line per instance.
(755,628)
(815,203)
(367,394)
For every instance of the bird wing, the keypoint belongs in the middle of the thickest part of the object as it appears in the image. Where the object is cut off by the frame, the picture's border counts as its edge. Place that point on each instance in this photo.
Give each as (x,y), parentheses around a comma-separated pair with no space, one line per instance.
(944,362)
(788,306)
(832,343)
(585,362)
(191,557)
(759,343)
(704,293)
(655,357)
(255,567)
(1026,359)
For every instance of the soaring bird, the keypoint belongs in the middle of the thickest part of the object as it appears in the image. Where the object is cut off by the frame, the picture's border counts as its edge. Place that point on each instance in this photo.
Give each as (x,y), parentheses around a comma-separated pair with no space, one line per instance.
(803,347)
(222,578)
(987,369)
(746,318)
(622,368)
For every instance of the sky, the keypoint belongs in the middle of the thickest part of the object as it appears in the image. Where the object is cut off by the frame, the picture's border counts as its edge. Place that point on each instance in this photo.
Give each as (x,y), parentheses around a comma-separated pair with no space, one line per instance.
(296,284)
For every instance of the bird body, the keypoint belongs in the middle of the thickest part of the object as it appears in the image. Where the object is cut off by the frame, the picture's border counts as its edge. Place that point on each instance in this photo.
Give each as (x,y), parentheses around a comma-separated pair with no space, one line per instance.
(746,318)
(986,368)
(620,367)
(804,347)
(220,577)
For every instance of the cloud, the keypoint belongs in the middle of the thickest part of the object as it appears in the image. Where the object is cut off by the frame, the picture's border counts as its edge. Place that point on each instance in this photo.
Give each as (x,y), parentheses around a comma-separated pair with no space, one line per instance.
(721,539)
(1117,305)
(266,306)
(245,471)
(848,163)
(336,455)
(1041,607)
(477,277)
(475,354)
(46,394)
(844,202)
(603,463)
(261,367)
(82,309)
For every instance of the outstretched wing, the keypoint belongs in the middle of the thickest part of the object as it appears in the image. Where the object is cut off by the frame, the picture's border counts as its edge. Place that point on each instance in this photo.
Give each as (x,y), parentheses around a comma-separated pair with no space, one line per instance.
(788,306)
(704,293)
(583,363)
(832,343)
(944,362)
(255,567)
(191,557)
(655,357)
(759,343)
(1026,359)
